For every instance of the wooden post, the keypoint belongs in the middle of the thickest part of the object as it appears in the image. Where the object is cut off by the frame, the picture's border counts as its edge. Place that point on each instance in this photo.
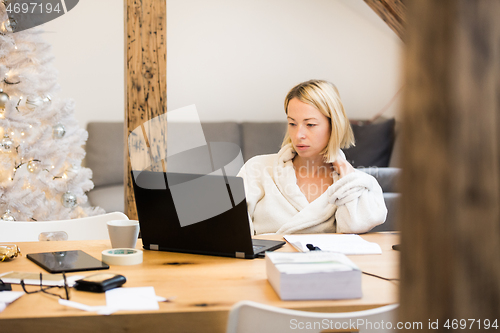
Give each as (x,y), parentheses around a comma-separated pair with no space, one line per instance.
(146,72)
(393,12)
(450,216)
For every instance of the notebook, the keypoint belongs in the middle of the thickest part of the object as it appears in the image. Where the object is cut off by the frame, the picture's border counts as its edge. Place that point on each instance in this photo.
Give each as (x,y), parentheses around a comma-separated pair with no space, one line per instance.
(196,213)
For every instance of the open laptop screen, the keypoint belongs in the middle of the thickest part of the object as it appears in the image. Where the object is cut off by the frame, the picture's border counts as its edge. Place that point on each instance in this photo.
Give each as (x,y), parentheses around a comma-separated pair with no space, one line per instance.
(223,234)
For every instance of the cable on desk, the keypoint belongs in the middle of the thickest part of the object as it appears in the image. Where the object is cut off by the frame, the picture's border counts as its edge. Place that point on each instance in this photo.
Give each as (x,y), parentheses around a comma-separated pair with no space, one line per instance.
(380,277)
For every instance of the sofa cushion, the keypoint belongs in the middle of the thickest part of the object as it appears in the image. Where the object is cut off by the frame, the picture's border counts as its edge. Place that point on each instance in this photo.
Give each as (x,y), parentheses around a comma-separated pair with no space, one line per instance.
(392,201)
(222,132)
(262,138)
(105,152)
(109,198)
(186,133)
(388,178)
(374,144)
(396,149)
(105,146)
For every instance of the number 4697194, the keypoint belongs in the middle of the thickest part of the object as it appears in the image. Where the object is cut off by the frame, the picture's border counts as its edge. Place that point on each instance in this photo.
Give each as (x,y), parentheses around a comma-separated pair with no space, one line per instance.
(470,324)
(32,8)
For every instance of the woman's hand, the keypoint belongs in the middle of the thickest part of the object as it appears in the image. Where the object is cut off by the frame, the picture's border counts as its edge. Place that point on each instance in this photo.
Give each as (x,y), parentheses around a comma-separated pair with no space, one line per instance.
(341,166)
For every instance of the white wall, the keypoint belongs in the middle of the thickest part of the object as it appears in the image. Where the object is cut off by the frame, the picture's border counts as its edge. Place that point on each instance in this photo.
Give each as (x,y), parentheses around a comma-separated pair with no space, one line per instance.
(238,59)
(88,45)
(235,60)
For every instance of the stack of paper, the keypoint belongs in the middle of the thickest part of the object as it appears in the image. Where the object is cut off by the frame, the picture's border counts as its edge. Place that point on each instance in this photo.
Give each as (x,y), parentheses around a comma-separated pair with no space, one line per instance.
(313,275)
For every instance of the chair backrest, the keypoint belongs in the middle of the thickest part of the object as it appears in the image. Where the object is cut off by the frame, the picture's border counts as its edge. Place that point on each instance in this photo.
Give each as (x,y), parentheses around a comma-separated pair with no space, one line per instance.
(87,228)
(250,317)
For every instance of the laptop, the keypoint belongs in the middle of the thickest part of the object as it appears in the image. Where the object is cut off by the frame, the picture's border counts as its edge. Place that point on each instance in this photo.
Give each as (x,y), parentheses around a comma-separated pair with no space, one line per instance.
(193,213)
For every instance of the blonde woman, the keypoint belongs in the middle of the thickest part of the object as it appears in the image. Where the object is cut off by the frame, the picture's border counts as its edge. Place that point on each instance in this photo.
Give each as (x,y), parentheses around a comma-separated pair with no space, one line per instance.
(308,186)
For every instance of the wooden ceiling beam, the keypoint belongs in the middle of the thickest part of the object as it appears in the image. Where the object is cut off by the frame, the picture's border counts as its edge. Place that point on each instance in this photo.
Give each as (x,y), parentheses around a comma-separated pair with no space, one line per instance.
(393,12)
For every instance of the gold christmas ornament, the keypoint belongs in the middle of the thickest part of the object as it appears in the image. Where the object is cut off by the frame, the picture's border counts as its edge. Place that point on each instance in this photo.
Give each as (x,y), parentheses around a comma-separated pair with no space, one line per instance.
(9,251)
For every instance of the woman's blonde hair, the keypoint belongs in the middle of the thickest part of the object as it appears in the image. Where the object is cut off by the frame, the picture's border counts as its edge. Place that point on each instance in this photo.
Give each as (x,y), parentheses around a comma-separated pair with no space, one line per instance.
(325,97)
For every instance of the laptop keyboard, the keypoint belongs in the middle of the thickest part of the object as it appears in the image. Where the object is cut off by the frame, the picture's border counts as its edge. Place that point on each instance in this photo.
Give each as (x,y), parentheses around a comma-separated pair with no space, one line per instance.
(256,248)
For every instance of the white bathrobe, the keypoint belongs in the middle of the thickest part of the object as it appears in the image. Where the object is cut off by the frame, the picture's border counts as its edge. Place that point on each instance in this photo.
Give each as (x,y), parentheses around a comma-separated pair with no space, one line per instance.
(352,204)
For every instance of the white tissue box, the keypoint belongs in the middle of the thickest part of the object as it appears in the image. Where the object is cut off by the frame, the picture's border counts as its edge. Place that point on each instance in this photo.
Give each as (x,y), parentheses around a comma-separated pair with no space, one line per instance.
(313,275)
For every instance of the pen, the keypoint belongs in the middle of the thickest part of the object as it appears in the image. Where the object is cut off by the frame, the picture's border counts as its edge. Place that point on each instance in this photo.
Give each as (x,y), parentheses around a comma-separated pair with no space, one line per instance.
(312,247)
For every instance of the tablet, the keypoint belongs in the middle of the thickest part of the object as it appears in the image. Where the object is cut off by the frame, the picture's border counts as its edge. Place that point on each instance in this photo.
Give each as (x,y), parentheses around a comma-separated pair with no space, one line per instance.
(66,261)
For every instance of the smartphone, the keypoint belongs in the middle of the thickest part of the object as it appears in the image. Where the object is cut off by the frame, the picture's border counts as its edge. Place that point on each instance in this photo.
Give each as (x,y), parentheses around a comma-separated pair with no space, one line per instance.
(66,261)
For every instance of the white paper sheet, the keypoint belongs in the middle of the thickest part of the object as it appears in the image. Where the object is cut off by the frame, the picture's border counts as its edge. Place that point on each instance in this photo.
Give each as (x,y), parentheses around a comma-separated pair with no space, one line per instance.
(81,306)
(140,298)
(10,296)
(7,297)
(143,298)
(342,243)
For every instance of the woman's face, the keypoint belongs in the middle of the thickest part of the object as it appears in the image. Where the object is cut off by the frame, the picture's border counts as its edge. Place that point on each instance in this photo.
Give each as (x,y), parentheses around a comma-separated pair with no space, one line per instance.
(309,129)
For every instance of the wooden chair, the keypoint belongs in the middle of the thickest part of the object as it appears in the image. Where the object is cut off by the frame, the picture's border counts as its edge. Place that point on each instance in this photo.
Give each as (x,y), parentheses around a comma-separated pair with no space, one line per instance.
(87,228)
(250,317)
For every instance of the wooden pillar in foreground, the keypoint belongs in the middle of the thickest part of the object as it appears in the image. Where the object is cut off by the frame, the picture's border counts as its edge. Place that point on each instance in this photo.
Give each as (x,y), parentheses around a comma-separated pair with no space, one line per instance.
(145,73)
(450,260)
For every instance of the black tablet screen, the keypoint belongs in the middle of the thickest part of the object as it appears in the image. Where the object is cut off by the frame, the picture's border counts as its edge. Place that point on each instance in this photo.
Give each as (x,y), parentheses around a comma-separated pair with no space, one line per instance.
(66,261)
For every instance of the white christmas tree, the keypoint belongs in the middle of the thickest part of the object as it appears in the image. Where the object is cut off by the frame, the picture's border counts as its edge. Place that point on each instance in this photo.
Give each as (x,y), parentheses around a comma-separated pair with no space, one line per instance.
(41,177)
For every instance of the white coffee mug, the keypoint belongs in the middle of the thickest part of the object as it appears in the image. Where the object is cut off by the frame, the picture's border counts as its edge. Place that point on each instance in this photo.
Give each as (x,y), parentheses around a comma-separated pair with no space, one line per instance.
(123,233)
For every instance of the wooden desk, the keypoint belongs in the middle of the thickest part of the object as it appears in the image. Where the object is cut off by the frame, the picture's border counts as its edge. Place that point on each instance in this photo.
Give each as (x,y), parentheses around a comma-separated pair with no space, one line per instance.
(206,288)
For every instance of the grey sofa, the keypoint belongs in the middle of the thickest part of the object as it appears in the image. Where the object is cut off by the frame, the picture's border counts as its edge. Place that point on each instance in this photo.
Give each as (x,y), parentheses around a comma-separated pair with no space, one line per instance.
(105,151)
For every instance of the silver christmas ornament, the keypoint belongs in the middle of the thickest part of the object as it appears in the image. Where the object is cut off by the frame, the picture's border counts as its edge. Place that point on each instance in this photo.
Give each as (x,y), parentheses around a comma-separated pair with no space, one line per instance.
(58,131)
(32,166)
(4,98)
(75,168)
(6,144)
(7,216)
(9,25)
(69,200)
(47,99)
(32,102)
